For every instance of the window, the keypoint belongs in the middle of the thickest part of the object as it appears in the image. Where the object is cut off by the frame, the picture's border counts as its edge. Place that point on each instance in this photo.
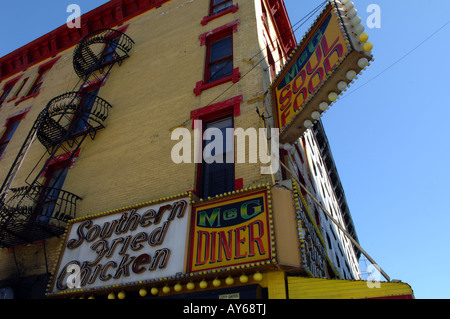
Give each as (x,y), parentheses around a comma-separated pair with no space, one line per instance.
(217,177)
(42,72)
(20,88)
(217,173)
(7,88)
(38,82)
(109,51)
(55,176)
(219,57)
(218,6)
(52,200)
(271,61)
(11,127)
(80,119)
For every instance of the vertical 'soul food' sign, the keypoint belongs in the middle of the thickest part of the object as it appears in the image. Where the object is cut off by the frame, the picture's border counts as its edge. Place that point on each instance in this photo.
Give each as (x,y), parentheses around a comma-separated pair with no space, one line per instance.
(230,232)
(125,247)
(327,60)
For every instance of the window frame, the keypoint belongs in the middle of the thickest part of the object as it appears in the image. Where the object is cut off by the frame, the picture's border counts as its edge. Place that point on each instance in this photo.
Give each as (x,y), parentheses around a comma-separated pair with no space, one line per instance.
(209,63)
(14,118)
(213,6)
(35,88)
(86,104)
(230,107)
(11,128)
(203,191)
(207,39)
(7,89)
(212,16)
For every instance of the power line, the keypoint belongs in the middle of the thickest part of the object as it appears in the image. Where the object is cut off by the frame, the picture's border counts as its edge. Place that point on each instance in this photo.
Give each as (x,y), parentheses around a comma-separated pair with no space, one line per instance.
(399,60)
(291,29)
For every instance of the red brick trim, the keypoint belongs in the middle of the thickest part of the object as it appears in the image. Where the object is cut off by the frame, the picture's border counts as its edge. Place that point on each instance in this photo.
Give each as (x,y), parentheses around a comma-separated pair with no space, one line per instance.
(233,9)
(230,106)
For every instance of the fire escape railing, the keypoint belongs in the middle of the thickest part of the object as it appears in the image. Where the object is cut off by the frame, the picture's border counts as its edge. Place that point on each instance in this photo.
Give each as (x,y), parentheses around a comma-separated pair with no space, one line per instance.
(100,49)
(33,213)
(36,212)
(71,115)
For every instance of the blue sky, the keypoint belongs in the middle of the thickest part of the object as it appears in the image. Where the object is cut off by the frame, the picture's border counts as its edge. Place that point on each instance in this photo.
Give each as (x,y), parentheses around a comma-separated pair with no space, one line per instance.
(388,133)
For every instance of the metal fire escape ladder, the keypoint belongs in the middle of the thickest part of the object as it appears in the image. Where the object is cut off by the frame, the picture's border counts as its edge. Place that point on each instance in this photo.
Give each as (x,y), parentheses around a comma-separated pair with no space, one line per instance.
(63,125)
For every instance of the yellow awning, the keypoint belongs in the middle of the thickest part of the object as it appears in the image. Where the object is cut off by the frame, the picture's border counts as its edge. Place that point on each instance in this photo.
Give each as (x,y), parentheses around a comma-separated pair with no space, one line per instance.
(313,288)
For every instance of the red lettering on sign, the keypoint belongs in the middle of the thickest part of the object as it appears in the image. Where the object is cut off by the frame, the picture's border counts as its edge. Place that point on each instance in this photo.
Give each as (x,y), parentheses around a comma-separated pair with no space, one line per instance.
(309,79)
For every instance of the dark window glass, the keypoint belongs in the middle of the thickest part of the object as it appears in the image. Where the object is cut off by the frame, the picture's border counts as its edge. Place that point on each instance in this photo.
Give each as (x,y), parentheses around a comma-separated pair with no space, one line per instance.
(6,91)
(6,137)
(218,175)
(220,5)
(221,59)
(54,180)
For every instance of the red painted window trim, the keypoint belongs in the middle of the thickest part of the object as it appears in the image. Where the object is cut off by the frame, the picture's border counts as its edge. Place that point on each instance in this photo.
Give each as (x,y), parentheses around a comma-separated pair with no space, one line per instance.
(217,110)
(18,116)
(22,114)
(233,9)
(232,25)
(206,39)
(58,160)
(229,107)
(11,83)
(109,15)
(43,68)
(19,89)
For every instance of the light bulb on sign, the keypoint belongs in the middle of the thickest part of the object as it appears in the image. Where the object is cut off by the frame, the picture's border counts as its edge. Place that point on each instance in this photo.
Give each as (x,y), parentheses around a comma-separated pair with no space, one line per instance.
(315,115)
(363,62)
(307,123)
(342,86)
(350,75)
(356,20)
(368,46)
(332,96)
(323,106)
(178,287)
(352,13)
(190,285)
(154,291)
(349,5)
(203,284)
(359,28)
(363,37)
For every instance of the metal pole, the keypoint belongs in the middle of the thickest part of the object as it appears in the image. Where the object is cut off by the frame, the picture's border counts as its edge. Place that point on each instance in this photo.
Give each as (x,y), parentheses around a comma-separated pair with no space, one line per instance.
(358,246)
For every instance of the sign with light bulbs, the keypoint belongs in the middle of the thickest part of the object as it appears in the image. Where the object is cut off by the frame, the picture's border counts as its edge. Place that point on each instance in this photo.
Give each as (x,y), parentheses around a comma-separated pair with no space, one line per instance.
(127,246)
(231,232)
(324,64)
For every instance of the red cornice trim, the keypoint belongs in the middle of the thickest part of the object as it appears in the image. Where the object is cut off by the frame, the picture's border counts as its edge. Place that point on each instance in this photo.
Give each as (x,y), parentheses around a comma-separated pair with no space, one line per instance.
(112,13)
(60,159)
(234,8)
(200,86)
(232,105)
(18,115)
(280,17)
(232,25)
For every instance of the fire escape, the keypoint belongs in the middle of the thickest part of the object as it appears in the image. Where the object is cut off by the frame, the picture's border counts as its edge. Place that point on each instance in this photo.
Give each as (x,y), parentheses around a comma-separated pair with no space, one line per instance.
(41,210)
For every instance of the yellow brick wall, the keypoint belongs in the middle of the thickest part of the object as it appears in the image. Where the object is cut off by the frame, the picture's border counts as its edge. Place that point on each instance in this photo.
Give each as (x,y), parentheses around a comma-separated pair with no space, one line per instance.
(151,92)
(276,285)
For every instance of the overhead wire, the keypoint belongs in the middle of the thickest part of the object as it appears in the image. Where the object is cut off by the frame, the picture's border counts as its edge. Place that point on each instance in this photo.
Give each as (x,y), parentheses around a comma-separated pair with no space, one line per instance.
(303,20)
(397,61)
(344,231)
